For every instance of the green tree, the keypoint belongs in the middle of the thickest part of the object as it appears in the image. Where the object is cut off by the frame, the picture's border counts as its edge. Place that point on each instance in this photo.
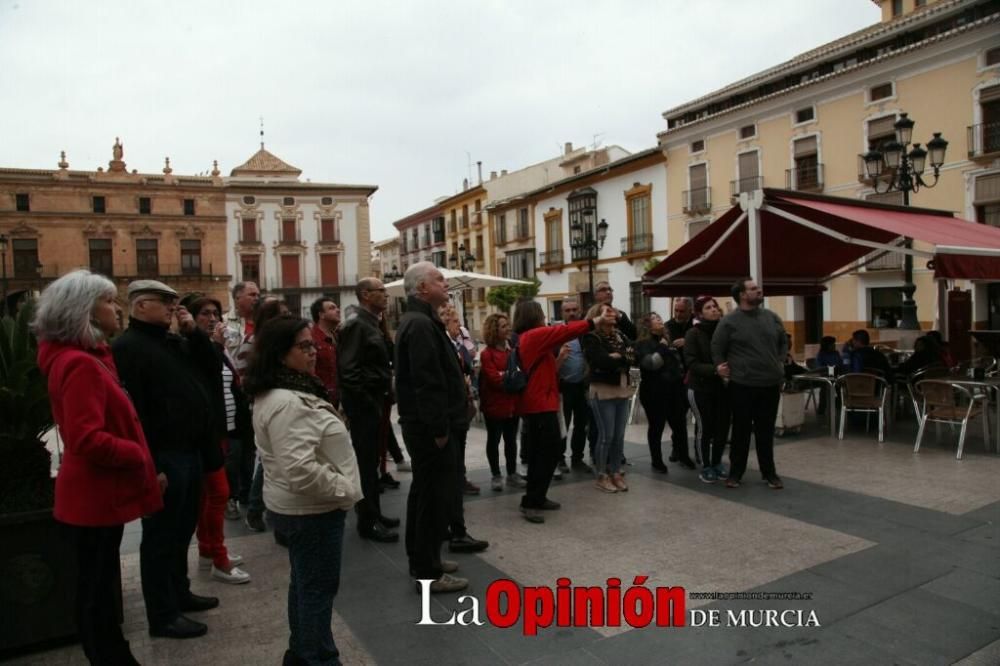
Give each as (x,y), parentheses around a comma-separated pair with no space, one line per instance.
(502,298)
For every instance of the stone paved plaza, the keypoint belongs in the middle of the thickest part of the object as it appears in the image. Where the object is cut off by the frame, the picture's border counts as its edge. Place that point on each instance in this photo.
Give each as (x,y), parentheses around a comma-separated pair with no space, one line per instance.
(899,552)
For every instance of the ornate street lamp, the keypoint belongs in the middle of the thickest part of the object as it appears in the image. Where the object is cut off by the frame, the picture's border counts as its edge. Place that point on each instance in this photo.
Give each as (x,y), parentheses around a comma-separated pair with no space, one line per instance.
(583,242)
(467,260)
(393,275)
(905,175)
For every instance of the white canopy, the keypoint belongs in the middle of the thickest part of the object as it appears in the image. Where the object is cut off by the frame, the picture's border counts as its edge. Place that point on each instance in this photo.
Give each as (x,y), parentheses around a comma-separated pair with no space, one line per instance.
(459,280)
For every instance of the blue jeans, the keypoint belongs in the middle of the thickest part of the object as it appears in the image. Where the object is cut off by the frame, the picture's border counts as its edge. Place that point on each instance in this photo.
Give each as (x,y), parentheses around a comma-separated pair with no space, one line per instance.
(611,417)
(315,545)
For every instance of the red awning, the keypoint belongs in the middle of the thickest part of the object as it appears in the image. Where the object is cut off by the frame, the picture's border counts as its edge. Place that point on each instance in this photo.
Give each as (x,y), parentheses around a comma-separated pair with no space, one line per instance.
(806,240)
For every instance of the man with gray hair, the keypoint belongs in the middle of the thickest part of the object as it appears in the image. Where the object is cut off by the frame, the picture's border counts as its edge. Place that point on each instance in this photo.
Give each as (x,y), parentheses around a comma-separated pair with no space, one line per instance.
(364,371)
(172,380)
(239,320)
(432,399)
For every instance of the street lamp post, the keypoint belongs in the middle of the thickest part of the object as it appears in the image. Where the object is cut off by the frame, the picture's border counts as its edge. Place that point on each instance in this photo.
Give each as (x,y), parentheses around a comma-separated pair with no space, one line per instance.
(582,241)
(467,261)
(3,276)
(906,175)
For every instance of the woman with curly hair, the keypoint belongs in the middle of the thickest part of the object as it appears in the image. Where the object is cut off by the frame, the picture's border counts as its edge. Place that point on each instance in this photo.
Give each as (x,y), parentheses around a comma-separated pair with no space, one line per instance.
(498,406)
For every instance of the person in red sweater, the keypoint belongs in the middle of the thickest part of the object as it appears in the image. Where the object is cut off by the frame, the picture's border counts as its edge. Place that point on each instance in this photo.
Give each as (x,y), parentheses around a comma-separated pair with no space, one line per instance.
(498,406)
(107,477)
(539,401)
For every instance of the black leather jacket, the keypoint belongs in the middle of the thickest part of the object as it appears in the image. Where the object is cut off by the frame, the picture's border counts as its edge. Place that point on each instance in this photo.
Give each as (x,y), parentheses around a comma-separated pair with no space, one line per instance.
(364,367)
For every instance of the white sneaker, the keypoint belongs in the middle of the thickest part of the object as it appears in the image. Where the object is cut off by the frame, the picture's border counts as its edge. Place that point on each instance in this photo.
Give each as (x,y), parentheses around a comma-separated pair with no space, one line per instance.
(235,576)
(515,480)
(557,475)
(496,484)
(205,563)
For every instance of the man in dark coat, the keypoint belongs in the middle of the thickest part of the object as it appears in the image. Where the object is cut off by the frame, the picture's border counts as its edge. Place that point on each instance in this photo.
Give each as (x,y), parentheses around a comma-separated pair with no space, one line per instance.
(364,371)
(174,381)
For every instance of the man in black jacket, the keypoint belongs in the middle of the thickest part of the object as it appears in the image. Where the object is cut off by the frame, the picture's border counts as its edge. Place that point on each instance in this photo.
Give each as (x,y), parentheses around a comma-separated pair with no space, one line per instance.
(677,399)
(172,380)
(365,374)
(432,399)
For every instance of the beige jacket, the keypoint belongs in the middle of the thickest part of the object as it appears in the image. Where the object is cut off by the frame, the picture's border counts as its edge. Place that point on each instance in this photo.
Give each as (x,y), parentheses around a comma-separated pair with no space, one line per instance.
(309,463)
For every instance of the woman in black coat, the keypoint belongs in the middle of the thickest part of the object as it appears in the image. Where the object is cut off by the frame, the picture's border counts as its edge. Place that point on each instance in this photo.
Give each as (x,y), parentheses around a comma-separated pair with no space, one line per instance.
(661,391)
(706,390)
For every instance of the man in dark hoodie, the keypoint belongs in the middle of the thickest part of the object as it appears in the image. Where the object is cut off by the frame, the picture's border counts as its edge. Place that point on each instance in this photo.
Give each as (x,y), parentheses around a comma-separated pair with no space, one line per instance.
(749,348)
(173,381)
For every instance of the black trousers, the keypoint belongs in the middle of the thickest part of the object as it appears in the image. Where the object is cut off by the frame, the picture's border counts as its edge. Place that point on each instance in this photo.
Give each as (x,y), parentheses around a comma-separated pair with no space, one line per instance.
(655,406)
(365,416)
(542,433)
(166,536)
(576,411)
(507,429)
(239,467)
(456,524)
(677,411)
(97,593)
(429,504)
(754,410)
(714,415)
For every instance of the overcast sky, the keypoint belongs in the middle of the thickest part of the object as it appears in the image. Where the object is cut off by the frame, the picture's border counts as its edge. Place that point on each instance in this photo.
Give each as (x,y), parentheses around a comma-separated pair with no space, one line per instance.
(403,94)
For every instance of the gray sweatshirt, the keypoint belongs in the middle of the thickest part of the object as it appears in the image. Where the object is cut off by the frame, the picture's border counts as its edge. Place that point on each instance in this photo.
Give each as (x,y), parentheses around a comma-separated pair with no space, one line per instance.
(754,344)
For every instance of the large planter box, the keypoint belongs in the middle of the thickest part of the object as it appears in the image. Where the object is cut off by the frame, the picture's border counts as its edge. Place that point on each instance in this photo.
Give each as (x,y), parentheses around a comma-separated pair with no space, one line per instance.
(38,578)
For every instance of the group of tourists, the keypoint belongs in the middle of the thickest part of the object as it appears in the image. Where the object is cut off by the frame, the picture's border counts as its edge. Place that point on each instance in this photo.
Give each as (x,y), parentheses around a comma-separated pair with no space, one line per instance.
(192,415)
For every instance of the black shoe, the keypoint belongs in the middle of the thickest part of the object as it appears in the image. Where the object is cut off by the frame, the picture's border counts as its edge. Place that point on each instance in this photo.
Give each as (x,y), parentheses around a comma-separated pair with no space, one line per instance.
(687,463)
(673,458)
(774,482)
(255,521)
(180,627)
(660,467)
(550,505)
(196,603)
(386,481)
(580,466)
(378,532)
(388,522)
(280,539)
(291,659)
(466,544)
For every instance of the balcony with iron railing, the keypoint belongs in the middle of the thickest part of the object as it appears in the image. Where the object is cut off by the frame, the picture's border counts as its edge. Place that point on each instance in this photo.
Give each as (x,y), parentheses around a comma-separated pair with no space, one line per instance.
(697,200)
(463,222)
(500,237)
(636,243)
(984,140)
(551,258)
(522,232)
(805,178)
(311,283)
(749,184)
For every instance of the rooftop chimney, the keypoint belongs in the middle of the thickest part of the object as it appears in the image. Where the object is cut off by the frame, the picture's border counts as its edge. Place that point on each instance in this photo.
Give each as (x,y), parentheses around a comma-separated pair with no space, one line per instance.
(569,147)
(465,184)
(479,168)
(503,172)
(493,175)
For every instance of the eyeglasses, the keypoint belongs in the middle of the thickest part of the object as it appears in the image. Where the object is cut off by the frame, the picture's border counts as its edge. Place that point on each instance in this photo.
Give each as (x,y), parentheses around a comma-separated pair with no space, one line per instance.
(307,346)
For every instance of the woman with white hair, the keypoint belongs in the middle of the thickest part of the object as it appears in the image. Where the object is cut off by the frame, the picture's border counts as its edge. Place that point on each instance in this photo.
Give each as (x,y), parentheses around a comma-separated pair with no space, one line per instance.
(107,477)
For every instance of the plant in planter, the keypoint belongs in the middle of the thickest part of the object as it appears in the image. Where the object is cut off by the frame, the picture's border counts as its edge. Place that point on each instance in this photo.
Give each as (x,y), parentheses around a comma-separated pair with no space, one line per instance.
(25,415)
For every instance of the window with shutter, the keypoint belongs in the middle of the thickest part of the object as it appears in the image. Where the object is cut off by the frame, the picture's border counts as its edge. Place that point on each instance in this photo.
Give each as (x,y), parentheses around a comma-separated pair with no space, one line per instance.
(289,270)
(329,269)
(249,225)
(288,232)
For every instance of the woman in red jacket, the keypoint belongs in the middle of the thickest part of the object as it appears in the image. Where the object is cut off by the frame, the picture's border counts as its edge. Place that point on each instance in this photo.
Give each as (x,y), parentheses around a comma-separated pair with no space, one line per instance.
(539,401)
(107,477)
(498,405)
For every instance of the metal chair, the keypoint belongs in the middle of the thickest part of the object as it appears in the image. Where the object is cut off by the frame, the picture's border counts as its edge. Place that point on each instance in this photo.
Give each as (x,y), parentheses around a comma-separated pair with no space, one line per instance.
(864,393)
(932,371)
(945,402)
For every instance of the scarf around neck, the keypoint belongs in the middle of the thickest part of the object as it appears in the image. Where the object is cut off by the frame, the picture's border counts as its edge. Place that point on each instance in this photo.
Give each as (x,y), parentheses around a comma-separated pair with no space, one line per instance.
(293,380)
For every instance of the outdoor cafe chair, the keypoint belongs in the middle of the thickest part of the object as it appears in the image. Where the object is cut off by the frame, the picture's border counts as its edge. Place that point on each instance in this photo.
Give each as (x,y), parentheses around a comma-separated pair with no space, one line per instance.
(942,401)
(932,371)
(865,393)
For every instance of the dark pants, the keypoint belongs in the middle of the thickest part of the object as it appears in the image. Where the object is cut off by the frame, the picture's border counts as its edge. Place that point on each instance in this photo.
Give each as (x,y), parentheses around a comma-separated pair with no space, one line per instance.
(239,468)
(676,403)
(429,504)
(255,501)
(315,546)
(754,410)
(97,592)
(456,524)
(166,536)
(542,434)
(495,429)
(576,412)
(714,417)
(656,416)
(365,416)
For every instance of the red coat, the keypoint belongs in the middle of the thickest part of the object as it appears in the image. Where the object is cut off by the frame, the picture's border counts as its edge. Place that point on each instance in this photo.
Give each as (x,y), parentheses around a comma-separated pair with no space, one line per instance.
(535,347)
(107,476)
(495,402)
(326,362)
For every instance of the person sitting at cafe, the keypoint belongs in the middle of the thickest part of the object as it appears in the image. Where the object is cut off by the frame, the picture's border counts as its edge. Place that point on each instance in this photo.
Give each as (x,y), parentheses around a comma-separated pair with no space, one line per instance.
(946,356)
(864,357)
(792,367)
(926,352)
(827,357)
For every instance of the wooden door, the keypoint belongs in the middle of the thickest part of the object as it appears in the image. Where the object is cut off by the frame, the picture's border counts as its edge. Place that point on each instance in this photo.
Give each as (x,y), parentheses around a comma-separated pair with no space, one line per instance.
(960,323)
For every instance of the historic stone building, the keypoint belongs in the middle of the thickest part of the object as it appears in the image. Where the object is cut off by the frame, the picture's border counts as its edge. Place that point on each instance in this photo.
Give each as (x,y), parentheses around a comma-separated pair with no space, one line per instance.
(297,239)
(121,223)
